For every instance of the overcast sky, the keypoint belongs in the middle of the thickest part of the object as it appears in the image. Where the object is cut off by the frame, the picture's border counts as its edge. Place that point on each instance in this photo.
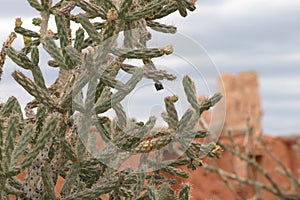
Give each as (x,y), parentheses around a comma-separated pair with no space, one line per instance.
(238,35)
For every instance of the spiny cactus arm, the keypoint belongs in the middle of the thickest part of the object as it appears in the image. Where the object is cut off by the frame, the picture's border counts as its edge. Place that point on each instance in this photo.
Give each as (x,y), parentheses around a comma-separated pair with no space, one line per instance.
(210,102)
(121,115)
(101,107)
(181,6)
(98,123)
(109,33)
(13,124)
(125,7)
(171,117)
(147,10)
(129,41)
(80,83)
(148,73)
(32,88)
(166,192)
(63,8)
(102,187)
(46,4)
(40,122)
(48,183)
(55,52)
(190,91)
(140,180)
(118,85)
(70,179)
(27,63)
(47,133)
(90,29)
(21,145)
(74,54)
(176,172)
(19,58)
(1,140)
(127,140)
(161,27)
(28,46)
(184,192)
(79,39)
(154,143)
(89,101)
(15,183)
(92,9)
(12,107)
(10,190)
(165,11)
(26,32)
(64,32)
(67,149)
(184,124)
(35,4)
(192,150)
(6,46)
(98,25)
(36,71)
(151,193)
(142,53)
(2,172)
(150,65)
(107,5)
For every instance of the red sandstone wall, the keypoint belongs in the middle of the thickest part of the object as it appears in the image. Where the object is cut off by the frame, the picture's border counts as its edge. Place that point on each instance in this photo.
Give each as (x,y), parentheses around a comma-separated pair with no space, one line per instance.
(208,186)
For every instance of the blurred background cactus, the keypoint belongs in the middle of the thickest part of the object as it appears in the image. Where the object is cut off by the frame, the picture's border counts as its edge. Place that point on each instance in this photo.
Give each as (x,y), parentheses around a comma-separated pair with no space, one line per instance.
(53,139)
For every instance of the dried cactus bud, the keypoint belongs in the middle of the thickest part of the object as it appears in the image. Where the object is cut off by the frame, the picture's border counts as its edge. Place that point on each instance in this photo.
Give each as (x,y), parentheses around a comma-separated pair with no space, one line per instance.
(151,16)
(36,21)
(174,98)
(50,32)
(217,151)
(112,14)
(168,49)
(27,40)
(18,22)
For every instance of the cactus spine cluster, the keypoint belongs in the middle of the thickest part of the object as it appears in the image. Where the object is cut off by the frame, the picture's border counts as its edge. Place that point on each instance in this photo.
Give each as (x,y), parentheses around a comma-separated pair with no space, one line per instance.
(49,144)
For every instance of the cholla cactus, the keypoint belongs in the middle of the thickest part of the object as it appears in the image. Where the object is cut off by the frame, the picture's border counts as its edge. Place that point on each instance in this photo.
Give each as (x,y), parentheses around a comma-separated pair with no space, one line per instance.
(51,141)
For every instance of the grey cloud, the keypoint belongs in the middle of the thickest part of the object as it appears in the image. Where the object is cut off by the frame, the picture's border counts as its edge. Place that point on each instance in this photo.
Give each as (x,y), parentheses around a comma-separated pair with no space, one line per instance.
(269,29)
(264,37)
(16,8)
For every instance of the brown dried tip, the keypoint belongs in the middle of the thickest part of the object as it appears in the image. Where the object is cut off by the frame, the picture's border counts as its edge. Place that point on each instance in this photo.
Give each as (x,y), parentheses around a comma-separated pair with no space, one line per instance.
(18,22)
(151,16)
(168,49)
(218,151)
(193,1)
(50,32)
(112,14)
(158,86)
